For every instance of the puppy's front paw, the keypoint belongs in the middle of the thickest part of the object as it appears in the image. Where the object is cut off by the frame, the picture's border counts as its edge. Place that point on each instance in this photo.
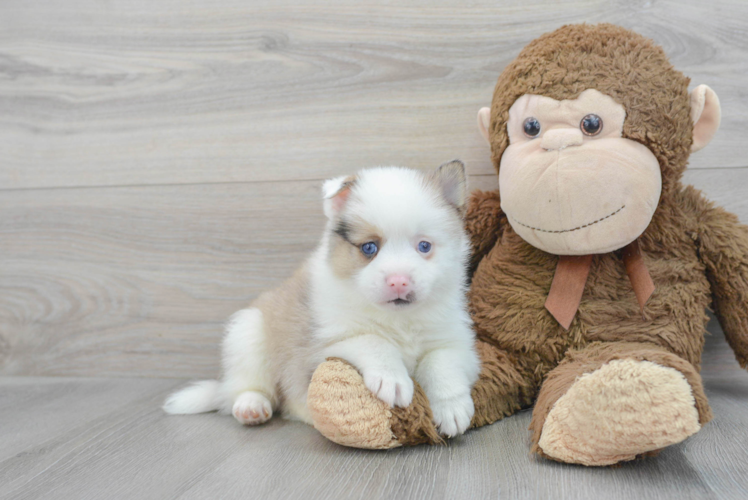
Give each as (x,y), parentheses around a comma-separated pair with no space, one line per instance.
(393,386)
(252,408)
(452,416)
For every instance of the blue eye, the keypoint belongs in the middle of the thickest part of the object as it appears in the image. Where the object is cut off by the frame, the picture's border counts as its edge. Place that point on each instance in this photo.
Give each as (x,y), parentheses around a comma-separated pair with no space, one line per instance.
(369,248)
(424,247)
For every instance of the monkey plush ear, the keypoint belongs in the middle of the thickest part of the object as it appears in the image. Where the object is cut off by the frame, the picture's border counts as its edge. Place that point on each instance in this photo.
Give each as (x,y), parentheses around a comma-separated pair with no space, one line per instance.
(484,121)
(452,181)
(706,114)
(336,192)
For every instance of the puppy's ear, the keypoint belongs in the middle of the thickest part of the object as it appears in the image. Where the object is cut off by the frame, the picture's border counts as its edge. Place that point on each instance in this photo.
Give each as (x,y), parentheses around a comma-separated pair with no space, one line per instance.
(335,193)
(452,181)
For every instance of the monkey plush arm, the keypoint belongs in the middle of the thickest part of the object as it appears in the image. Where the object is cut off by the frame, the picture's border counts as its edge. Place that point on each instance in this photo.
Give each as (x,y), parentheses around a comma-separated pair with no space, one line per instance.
(723,246)
(483,222)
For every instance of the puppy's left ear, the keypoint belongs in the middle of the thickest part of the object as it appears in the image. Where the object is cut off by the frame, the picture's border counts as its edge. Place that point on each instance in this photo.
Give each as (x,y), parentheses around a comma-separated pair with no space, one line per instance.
(452,181)
(336,193)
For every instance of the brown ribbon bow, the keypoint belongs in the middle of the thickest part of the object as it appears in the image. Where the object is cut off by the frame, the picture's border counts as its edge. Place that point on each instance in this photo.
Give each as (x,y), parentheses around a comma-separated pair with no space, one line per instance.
(571,275)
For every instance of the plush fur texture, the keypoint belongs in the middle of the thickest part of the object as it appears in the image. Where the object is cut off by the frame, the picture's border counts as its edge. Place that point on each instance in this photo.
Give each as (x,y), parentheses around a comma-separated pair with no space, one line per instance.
(696,253)
(621,410)
(361,416)
(348,413)
(385,290)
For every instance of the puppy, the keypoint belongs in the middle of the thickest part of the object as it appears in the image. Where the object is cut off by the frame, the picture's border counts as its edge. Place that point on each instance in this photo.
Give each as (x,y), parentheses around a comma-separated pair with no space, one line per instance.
(385,291)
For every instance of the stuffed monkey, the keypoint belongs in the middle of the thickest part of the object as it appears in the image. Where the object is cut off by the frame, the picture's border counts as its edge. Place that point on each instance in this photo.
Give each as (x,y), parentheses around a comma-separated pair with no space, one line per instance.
(592,264)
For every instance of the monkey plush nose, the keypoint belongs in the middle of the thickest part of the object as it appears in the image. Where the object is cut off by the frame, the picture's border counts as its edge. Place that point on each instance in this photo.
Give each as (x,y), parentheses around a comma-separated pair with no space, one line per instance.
(398,284)
(561,138)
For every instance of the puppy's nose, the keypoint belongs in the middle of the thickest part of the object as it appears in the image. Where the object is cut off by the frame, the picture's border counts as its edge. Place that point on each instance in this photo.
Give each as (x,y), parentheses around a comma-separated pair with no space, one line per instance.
(560,138)
(398,283)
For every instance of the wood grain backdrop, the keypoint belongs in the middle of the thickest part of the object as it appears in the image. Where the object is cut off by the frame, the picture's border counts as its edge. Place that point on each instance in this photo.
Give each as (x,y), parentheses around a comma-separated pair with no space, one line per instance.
(160,160)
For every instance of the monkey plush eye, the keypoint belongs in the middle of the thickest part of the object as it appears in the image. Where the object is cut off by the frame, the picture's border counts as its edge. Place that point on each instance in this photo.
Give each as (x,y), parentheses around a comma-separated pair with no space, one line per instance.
(369,248)
(591,125)
(424,247)
(531,127)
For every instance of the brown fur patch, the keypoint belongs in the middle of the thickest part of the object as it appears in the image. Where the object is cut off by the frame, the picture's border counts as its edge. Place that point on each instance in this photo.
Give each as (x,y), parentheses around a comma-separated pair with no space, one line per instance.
(345,259)
(501,389)
(285,312)
(722,244)
(415,424)
(287,322)
(345,255)
(483,222)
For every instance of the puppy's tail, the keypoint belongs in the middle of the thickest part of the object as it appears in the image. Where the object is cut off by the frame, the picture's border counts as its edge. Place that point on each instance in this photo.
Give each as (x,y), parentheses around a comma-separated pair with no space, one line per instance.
(197,398)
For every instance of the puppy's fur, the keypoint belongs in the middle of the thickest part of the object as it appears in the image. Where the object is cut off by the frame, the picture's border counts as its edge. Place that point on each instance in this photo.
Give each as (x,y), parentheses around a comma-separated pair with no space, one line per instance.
(399,311)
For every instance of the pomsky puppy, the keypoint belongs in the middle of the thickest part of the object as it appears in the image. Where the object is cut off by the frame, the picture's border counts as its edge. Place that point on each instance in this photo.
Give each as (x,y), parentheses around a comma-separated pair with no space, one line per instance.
(385,290)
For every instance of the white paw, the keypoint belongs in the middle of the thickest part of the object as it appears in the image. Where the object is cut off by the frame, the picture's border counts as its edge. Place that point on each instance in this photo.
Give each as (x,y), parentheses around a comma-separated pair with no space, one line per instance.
(392,385)
(452,416)
(252,408)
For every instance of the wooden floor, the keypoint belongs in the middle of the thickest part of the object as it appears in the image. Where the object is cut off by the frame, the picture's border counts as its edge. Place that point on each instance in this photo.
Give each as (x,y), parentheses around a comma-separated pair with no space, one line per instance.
(95,437)
(160,165)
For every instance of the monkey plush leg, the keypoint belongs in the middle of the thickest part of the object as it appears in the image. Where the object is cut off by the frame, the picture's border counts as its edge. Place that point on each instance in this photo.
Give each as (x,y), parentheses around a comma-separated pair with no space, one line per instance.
(611,402)
(502,389)
(346,412)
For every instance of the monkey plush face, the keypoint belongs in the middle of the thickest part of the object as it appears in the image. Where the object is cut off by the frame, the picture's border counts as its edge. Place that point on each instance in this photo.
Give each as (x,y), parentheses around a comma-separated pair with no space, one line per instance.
(570,183)
(590,130)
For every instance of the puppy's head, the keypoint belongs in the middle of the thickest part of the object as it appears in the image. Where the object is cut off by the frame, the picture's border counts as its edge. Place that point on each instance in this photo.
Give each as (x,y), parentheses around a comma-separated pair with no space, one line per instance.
(396,234)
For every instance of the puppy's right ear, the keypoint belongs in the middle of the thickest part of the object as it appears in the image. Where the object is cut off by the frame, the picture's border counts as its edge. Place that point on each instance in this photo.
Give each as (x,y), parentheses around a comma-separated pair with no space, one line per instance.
(336,192)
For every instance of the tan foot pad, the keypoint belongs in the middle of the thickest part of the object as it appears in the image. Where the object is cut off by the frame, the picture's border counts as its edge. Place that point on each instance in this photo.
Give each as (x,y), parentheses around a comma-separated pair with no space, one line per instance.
(345,411)
(621,410)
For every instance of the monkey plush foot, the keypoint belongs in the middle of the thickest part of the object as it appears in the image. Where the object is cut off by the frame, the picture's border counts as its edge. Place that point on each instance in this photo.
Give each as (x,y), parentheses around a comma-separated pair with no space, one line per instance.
(623,409)
(347,413)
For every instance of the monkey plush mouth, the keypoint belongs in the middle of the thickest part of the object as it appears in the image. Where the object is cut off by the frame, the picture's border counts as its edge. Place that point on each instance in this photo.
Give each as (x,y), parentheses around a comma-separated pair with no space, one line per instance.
(573,229)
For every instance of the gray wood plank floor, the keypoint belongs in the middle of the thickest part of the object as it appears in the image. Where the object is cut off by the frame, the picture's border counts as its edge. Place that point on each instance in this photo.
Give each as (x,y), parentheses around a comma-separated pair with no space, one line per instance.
(78,438)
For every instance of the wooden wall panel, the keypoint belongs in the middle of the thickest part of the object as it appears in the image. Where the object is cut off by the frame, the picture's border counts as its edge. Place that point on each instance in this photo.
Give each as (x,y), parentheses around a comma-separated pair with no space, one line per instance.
(139,280)
(160,160)
(143,92)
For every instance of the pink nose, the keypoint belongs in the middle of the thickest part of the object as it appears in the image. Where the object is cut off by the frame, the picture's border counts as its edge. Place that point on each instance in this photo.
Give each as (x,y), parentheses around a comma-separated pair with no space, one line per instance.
(399,284)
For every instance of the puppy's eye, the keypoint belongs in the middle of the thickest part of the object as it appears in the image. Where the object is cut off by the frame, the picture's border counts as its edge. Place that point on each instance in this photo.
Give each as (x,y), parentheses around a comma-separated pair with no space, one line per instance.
(531,126)
(424,247)
(369,248)
(591,125)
